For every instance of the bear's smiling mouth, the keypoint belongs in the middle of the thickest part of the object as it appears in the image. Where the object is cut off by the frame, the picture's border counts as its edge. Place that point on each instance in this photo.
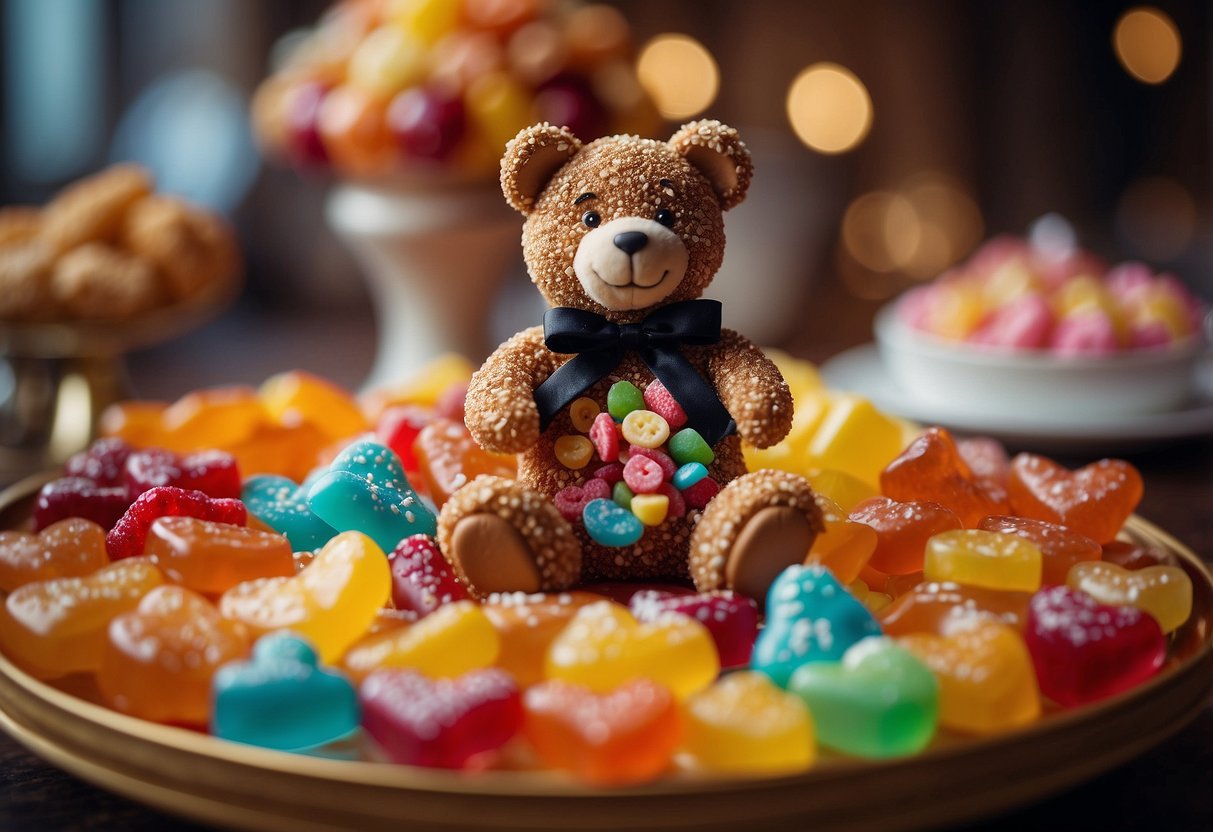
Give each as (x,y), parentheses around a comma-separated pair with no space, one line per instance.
(631,282)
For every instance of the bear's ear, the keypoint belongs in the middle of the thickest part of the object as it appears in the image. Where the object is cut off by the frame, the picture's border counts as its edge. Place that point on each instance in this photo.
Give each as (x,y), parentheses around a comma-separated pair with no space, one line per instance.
(718,152)
(531,158)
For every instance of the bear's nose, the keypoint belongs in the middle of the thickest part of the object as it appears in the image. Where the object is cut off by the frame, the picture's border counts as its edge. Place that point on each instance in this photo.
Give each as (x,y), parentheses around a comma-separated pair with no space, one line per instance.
(631,242)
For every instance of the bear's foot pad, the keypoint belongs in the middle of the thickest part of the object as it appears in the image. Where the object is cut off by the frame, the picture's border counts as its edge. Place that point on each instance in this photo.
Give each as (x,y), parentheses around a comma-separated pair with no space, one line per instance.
(775,538)
(493,555)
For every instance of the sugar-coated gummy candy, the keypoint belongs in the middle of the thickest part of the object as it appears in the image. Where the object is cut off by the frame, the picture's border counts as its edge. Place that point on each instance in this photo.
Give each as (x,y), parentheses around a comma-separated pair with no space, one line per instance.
(745,724)
(878,701)
(449,459)
(643,475)
(604,433)
(331,602)
(902,531)
(622,496)
(645,429)
(810,618)
(214,473)
(661,401)
(668,466)
(1060,548)
(160,658)
(526,625)
(610,473)
(689,474)
(366,490)
(688,446)
(651,509)
(935,606)
(843,546)
(1164,592)
(573,451)
(932,468)
(103,462)
(571,500)
(70,548)
(422,579)
(608,738)
(78,497)
(604,646)
(454,639)
(56,627)
(677,504)
(281,697)
(582,412)
(440,723)
(609,524)
(211,558)
(1095,500)
(980,558)
(986,681)
(1083,650)
(129,535)
(730,618)
(282,505)
(622,398)
(698,496)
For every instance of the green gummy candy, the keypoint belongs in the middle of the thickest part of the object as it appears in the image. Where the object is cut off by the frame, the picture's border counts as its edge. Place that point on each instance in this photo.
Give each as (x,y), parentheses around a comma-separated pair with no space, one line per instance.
(879,701)
(688,446)
(622,495)
(623,398)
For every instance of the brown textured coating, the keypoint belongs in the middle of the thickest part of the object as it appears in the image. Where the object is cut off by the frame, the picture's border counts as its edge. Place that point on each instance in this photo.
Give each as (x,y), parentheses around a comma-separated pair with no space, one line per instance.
(25,271)
(191,249)
(752,390)
(532,515)
(499,409)
(19,224)
(718,151)
(531,158)
(94,208)
(97,281)
(726,517)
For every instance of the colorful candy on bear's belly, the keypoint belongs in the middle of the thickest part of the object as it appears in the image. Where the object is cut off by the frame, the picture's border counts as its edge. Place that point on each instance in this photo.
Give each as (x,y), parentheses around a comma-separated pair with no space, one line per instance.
(637,465)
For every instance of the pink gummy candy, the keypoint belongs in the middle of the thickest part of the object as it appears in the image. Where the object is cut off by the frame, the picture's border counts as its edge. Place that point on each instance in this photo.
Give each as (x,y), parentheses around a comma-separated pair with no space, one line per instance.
(1023,323)
(422,580)
(1089,332)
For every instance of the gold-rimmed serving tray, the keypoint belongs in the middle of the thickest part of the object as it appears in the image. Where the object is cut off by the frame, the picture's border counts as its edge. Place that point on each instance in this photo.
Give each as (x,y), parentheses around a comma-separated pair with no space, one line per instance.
(957,779)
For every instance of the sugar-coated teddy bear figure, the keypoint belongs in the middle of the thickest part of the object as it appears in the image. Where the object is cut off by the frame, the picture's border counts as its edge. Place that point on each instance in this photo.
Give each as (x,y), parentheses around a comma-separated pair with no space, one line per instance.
(622,236)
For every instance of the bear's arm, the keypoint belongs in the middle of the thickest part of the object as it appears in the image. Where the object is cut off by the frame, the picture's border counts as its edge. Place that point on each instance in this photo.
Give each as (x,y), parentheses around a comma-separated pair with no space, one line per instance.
(752,390)
(500,410)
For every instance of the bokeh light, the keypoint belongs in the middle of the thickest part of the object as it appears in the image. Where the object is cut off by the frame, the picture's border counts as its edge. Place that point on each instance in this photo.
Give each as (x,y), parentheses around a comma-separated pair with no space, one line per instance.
(1147,44)
(881,231)
(829,108)
(1157,216)
(680,74)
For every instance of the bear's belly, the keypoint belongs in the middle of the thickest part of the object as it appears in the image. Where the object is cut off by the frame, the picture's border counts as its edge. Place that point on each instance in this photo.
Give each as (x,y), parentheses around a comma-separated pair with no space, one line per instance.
(662,550)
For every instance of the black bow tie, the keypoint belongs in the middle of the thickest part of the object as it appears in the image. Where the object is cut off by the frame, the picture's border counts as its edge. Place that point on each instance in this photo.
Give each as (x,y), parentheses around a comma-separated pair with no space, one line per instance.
(600,345)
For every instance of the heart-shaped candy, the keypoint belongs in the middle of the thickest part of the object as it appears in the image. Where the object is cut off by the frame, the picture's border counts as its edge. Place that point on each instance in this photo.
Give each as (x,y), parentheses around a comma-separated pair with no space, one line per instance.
(527,624)
(365,490)
(159,658)
(1094,500)
(1060,548)
(212,557)
(282,505)
(745,724)
(879,701)
(79,497)
(281,698)
(571,500)
(732,619)
(70,548)
(331,602)
(935,606)
(810,618)
(129,535)
(979,558)
(902,531)
(931,468)
(57,627)
(214,473)
(452,640)
(604,647)
(422,579)
(986,681)
(1084,650)
(440,723)
(626,735)
(1165,592)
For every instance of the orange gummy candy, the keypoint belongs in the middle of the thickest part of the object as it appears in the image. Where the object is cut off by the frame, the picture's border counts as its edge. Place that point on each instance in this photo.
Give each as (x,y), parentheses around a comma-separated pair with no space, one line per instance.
(528,624)
(137,423)
(845,546)
(902,531)
(932,468)
(449,459)
(57,627)
(1094,500)
(934,606)
(288,452)
(70,548)
(214,418)
(213,557)
(159,658)
(297,397)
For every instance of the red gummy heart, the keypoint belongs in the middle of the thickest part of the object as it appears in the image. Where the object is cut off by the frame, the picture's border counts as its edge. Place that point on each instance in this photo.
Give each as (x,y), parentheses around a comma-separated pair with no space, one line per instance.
(79,497)
(129,535)
(422,580)
(572,499)
(1084,650)
(1094,500)
(214,473)
(932,468)
(902,531)
(732,619)
(440,723)
(104,462)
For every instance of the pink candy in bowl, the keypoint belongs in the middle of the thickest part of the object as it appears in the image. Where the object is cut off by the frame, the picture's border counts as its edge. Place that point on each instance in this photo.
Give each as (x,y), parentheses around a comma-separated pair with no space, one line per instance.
(1014,332)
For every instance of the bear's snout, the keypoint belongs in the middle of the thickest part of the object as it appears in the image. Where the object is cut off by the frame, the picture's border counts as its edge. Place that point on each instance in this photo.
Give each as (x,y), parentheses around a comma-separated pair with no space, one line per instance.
(631,242)
(630,263)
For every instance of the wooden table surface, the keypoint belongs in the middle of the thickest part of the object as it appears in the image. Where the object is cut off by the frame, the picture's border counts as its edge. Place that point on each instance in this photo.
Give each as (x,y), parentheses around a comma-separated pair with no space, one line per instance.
(1168,788)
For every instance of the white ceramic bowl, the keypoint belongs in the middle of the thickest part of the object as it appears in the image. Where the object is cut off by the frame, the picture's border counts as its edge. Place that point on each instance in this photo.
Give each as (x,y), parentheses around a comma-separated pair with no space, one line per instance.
(965,378)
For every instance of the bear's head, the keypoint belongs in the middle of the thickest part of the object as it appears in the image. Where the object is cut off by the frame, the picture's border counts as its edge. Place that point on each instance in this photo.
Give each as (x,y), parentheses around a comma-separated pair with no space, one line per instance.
(623,225)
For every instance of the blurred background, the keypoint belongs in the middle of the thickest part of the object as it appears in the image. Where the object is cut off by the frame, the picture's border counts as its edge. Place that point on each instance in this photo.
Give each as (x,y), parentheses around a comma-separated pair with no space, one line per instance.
(890,138)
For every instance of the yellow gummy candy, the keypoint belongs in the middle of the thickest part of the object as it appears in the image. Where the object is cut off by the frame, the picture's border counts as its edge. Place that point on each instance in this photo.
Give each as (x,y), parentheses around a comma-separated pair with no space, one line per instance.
(645,428)
(573,451)
(386,61)
(981,558)
(844,489)
(583,411)
(426,20)
(650,509)
(294,397)
(856,438)
(454,639)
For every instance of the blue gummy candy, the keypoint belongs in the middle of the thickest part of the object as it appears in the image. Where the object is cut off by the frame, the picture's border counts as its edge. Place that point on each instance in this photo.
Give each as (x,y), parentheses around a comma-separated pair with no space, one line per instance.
(282,505)
(689,474)
(608,524)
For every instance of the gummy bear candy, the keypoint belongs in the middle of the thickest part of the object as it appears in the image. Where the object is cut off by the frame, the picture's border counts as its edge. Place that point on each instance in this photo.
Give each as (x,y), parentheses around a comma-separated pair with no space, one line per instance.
(625,735)
(160,657)
(212,557)
(70,548)
(442,723)
(878,701)
(745,724)
(129,535)
(58,627)
(281,698)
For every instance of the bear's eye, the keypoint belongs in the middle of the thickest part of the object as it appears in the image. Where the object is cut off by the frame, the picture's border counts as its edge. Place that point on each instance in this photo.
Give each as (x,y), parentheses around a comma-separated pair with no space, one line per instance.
(665,217)
(591,219)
